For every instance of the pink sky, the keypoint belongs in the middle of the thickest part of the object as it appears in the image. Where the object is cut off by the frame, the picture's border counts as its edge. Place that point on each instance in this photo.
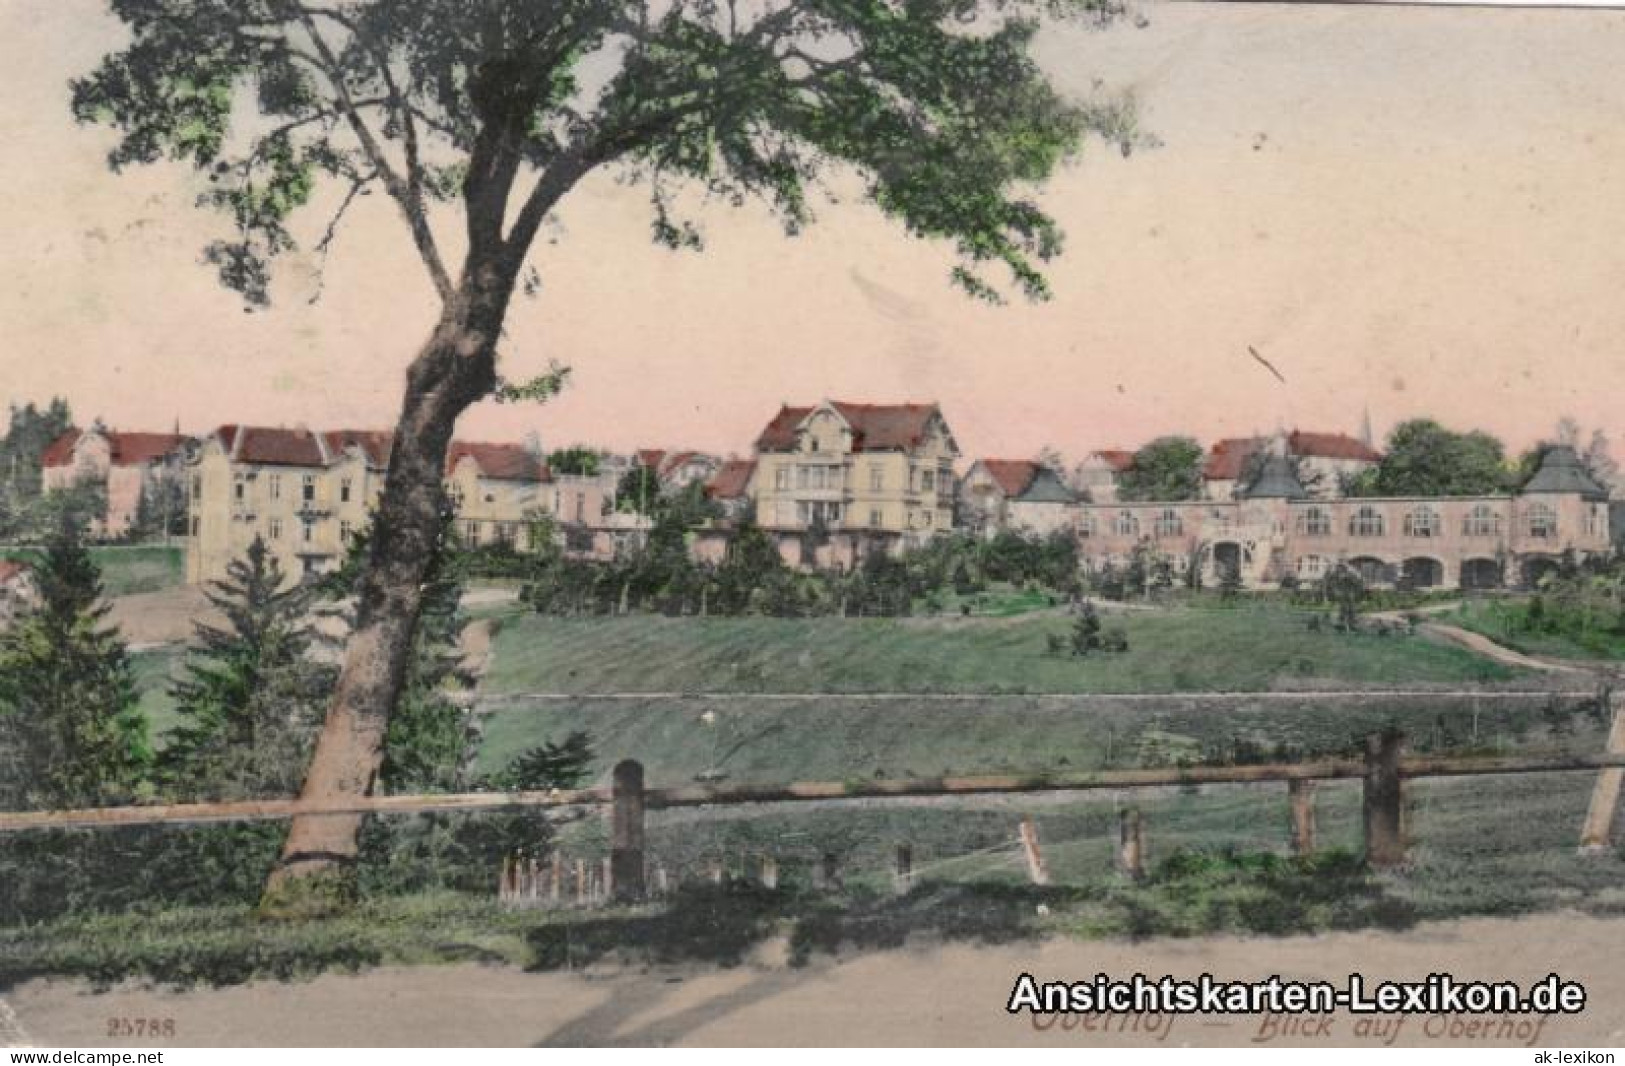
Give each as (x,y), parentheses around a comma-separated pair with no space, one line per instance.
(1419,210)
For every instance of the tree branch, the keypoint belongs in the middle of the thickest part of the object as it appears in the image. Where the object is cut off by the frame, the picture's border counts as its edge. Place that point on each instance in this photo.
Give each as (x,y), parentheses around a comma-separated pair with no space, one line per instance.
(399,188)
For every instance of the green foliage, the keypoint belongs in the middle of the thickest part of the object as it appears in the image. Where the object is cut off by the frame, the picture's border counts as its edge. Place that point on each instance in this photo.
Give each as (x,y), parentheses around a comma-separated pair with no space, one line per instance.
(252,696)
(68,702)
(1345,590)
(563,764)
(576,459)
(1086,629)
(1168,468)
(428,99)
(161,508)
(30,431)
(1424,458)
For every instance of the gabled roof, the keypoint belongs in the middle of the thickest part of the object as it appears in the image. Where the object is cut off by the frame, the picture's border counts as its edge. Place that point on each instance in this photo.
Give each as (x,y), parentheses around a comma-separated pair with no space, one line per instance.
(1120,460)
(374,444)
(651,458)
(1561,471)
(875,427)
(60,451)
(1027,481)
(124,448)
(1330,446)
(499,462)
(1227,457)
(732,479)
(272,446)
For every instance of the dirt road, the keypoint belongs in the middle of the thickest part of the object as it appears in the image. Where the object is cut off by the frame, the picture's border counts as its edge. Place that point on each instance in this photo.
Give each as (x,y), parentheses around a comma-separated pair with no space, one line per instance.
(935,995)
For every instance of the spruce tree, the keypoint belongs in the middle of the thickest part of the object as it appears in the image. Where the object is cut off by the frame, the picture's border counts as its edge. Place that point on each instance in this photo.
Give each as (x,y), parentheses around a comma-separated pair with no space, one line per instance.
(252,694)
(68,700)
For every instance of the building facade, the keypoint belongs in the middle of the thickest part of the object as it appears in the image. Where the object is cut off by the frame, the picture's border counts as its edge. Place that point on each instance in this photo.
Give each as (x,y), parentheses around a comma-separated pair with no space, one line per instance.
(1276,531)
(865,475)
(1015,494)
(306,493)
(1324,462)
(124,465)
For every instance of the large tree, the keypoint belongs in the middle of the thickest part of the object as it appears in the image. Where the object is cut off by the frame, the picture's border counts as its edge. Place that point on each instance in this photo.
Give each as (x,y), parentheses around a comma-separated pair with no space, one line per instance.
(501,108)
(1168,468)
(1424,458)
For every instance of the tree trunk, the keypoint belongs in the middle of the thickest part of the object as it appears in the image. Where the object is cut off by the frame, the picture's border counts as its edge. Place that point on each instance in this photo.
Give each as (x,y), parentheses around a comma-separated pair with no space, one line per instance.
(455,368)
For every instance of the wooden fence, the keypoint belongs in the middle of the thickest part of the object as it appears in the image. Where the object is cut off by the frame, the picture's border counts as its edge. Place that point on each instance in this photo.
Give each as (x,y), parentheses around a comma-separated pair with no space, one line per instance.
(624,873)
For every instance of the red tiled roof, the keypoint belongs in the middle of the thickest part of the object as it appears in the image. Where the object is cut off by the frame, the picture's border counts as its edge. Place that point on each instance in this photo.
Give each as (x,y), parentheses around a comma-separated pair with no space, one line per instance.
(732,480)
(500,462)
(60,451)
(1012,475)
(651,458)
(875,427)
(1331,446)
(124,449)
(10,568)
(270,446)
(1227,457)
(1120,460)
(374,444)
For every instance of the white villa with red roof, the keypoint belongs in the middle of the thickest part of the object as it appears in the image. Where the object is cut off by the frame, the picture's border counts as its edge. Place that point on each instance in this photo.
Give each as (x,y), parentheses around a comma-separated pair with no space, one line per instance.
(122,463)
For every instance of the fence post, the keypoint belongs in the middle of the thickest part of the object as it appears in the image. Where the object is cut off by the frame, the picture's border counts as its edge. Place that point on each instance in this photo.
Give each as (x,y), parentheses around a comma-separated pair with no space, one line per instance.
(557,885)
(1384,800)
(1036,869)
(769,872)
(625,863)
(581,882)
(903,873)
(1301,791)
(662,885)
(505,880)
(1599,824)
(1131,843)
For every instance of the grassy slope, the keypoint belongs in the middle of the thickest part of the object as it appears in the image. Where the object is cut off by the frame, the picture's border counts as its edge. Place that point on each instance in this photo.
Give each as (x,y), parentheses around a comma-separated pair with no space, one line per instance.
(1502,621)
(1175,651)
(810,739)
(130,568)
(153,673)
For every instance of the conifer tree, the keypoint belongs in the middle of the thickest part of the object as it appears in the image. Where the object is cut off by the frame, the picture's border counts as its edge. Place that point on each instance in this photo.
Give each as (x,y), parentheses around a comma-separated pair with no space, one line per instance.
(68,701)
(252,695)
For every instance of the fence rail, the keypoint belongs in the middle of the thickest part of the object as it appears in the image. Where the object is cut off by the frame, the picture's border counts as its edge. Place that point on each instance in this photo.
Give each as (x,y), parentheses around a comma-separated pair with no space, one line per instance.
(804,791)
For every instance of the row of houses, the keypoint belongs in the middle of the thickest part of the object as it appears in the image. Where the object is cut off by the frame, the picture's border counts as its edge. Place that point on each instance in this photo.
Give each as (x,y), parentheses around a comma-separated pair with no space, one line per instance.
(836,481)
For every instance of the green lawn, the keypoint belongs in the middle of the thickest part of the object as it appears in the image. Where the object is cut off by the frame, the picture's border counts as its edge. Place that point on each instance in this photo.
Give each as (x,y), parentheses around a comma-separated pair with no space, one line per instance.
(129,568)
(1505,621)
(763,741)
(1170,651)
(153,672)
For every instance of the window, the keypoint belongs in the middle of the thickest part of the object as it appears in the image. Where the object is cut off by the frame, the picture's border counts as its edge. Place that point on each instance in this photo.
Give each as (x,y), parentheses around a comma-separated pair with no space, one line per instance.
(781,478)
(471,533)
(1126,525)
(197,524)
(344,532)
(275,482)
(1086,525)
(1422,522)
(581,507)
(1540,521)
(930,518)
(874,518)
(1314,522)
(877,477)
(927,480)
(1366,522)
(197,485)
(1594,522)
(505,532)
(344,490)
(1481,521)
(1311,566)
(1168,523)
(815,444)
(803,477)
(239,488)
(309,531)
(276,529)
(308,493)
